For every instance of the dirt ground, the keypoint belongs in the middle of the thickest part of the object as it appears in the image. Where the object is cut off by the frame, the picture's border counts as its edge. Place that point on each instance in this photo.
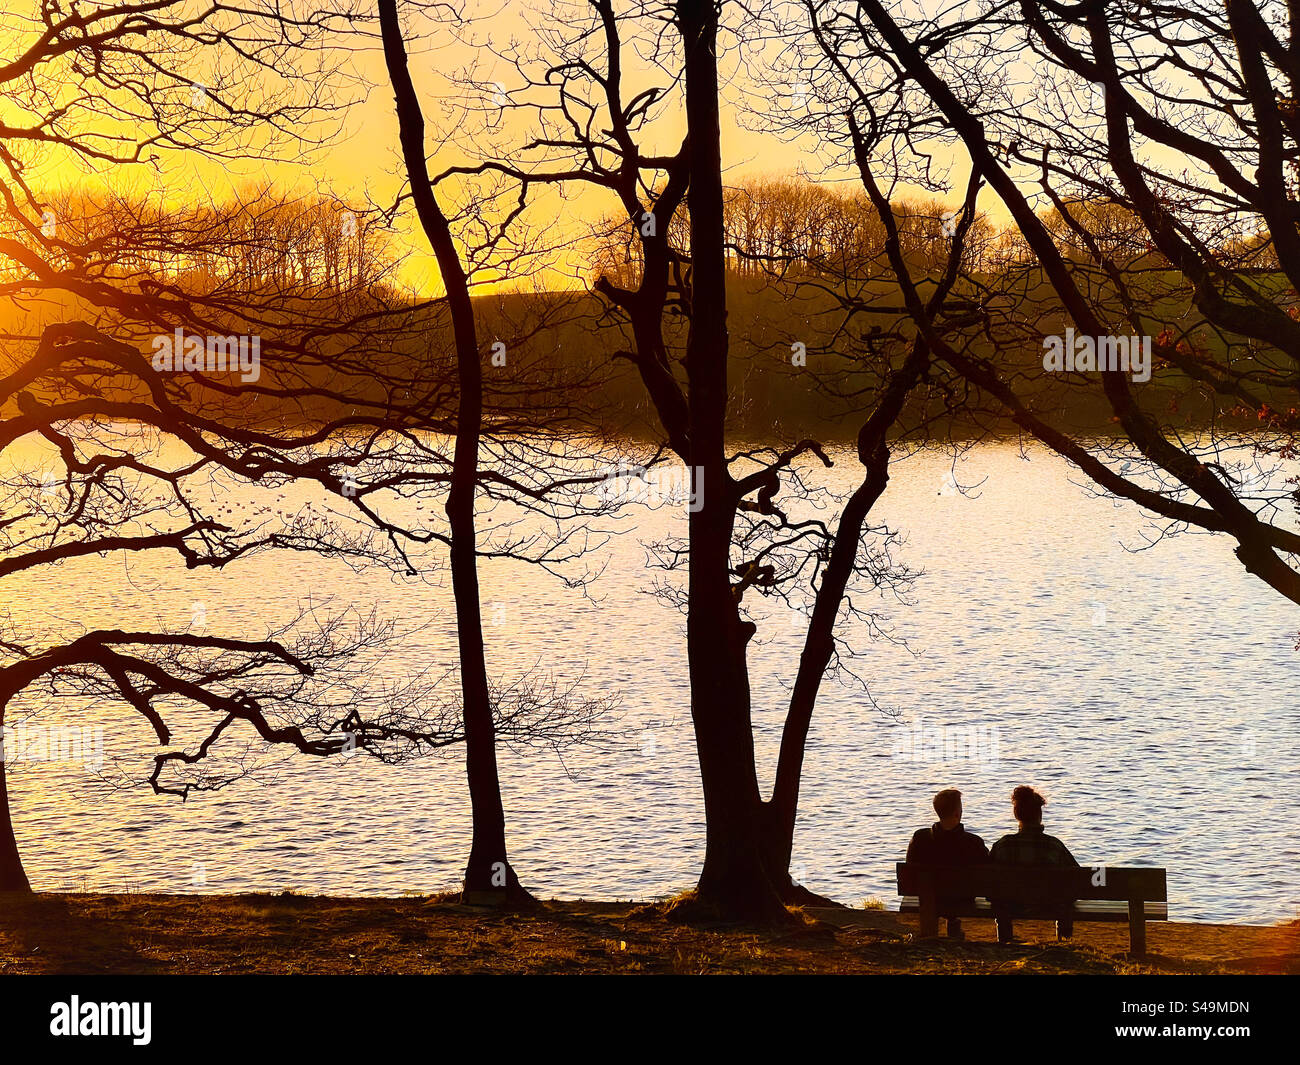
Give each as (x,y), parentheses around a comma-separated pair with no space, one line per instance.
(87,934)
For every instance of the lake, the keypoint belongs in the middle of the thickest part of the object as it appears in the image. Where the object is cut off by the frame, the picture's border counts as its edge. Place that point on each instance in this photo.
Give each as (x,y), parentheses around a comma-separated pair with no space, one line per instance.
(1148,690)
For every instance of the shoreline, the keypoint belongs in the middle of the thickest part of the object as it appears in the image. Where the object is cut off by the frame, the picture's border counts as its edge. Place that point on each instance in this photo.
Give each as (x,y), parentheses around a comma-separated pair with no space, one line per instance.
(78,933)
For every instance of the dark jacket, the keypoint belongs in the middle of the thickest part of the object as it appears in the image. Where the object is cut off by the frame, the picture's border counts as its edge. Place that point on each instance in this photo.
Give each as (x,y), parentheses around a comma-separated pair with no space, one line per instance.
(939,846)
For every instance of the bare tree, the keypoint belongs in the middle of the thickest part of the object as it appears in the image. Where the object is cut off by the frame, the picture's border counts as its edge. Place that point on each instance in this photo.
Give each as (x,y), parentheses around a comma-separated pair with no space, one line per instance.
(1151,114)
(145,444)
(742,542)
(488,871)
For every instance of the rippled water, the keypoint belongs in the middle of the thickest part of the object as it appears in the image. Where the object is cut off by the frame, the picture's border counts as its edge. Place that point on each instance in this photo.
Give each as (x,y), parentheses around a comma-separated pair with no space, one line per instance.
(1150,694)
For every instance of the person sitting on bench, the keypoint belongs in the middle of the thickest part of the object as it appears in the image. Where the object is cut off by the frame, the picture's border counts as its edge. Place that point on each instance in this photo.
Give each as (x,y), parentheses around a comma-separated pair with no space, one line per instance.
(947,842)
(1031,846)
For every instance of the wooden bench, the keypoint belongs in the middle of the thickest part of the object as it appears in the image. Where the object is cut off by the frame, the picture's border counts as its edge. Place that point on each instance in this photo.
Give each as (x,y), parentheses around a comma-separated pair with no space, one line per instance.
(1101,893)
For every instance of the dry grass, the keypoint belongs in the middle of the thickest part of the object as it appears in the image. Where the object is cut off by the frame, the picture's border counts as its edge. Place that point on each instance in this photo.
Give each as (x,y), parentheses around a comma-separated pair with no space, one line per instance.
(308,934)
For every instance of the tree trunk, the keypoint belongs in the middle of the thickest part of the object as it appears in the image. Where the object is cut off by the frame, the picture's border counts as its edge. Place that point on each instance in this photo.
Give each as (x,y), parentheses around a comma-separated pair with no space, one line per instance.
(488,874)
(781,812)
(733,883)
(12,875)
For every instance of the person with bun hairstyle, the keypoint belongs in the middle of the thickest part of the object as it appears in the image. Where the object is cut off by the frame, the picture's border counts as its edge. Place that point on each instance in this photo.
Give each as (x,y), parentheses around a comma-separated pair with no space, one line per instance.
(1031,846)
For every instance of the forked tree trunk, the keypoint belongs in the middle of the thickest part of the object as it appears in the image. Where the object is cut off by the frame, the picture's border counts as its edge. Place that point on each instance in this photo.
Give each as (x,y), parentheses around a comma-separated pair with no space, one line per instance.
(488,874)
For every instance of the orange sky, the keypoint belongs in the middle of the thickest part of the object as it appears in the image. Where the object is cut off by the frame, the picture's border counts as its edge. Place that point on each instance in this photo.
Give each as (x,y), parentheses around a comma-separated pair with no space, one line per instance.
(363,163)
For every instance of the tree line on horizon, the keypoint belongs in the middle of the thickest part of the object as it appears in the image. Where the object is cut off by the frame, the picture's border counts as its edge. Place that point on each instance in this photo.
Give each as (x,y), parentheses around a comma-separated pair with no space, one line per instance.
(788,241)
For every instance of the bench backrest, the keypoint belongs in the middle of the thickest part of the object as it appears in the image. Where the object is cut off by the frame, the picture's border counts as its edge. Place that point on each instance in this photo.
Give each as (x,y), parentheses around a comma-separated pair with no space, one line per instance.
(1019,883)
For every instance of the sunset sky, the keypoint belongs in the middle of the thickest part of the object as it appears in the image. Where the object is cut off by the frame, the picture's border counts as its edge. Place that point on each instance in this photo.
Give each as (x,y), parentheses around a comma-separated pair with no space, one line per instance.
(361,162)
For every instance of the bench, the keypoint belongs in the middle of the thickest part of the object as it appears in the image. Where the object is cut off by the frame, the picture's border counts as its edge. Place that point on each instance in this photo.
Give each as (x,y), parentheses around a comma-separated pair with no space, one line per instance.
(1101,893)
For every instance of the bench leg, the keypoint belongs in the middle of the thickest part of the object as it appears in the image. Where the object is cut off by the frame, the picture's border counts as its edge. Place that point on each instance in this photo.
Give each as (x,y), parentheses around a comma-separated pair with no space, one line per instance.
(1137,927)
(929,916)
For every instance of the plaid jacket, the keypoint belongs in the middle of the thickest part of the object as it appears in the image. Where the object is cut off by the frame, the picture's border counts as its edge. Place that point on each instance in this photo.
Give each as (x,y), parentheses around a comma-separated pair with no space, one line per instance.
(1032,846)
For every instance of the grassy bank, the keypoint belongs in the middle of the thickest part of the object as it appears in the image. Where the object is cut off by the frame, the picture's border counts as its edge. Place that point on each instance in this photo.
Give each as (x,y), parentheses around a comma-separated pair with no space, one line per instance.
(187,934)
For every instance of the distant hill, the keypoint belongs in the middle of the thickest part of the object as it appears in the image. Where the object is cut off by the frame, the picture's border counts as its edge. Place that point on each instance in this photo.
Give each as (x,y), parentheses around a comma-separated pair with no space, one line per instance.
(561,367)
